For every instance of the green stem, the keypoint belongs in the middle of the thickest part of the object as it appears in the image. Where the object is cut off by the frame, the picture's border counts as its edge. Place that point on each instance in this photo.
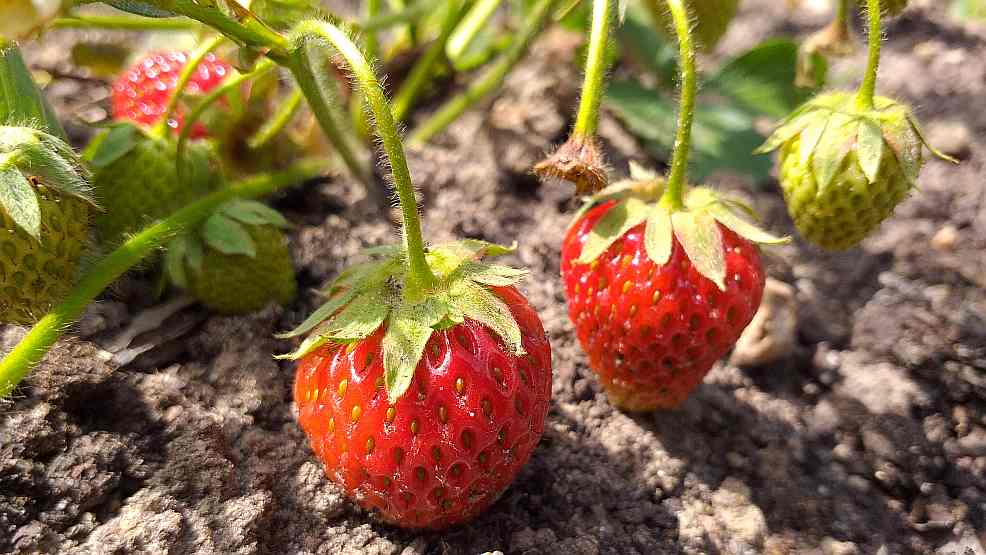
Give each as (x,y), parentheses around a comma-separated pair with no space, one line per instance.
(125,23)
(33,347)
(311,71)
(420,276)
(214,95)
(842,12)
(278,122)
(420,74)
(867,91)
(257,36)
(595,69)
(678,175)
(489,81)
(472,23)
(161,129)
(403,16)
(370,42)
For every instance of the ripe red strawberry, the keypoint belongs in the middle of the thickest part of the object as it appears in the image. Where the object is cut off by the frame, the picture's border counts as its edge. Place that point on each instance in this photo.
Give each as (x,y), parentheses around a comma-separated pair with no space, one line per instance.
(142,93)
(445,448)
(666,294)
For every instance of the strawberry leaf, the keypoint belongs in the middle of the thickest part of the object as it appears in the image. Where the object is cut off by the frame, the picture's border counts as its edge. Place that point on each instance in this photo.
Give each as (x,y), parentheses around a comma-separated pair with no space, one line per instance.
(699,236)
(408,332)
(228,236)
(193,254)
(869,148)
(19,200)
(620,219)
(658,238)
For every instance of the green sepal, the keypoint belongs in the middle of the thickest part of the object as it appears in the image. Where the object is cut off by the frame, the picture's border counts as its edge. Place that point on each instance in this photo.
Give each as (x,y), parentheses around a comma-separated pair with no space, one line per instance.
(658,235)
(19,200)
(810,138)
(869,148)
(40,154)
(832,149)
(732,214)
(916,128)
(361,317)
(174,261)
(21,101)
(111,145)
(368,296)
(621,218)
(700,238)
(408,332)
(254,213)
(228,236)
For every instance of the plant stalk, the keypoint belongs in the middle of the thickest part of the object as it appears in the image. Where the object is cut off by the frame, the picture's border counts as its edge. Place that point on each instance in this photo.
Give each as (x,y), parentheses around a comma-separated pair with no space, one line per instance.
(678,175)
(161,129)
(420,276)
(867,90)
(33,347)
(595,69)
(422,70)
(125,23)
(489,81)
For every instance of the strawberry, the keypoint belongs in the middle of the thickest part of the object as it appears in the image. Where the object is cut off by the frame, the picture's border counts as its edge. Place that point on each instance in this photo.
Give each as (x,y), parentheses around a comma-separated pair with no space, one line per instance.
(45,205)
(844,168)
(711,19)
(238,260)
(658,294)
(137,179)
(425,409)
(141,94)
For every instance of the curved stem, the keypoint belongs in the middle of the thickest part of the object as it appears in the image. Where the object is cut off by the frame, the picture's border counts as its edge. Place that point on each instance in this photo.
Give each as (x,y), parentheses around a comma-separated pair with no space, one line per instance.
(422,70)
(489,81)
(420,276)
(310,69)
(215,94)
(678,175)
(595,69)
(465,32)
(183,78)
(277,122)
(867,91)
(33,347)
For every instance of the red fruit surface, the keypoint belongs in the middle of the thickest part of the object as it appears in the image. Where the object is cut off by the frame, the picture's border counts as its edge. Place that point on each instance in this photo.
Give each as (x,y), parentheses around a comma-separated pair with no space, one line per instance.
(142,93)
(457,438)
(653,332)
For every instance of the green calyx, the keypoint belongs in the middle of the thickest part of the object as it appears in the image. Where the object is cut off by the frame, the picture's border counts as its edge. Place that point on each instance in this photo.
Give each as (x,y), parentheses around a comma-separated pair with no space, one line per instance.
(832,126)
(373,294)
(225,231)
(642,200)
(30,157)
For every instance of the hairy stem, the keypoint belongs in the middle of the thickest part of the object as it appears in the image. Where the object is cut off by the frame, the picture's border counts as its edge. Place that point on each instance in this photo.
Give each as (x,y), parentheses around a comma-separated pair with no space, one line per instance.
(33,347)
(867,90)
(595,69)
(420,276)
(678,175)
(489,81)
(421,72)
(183,78)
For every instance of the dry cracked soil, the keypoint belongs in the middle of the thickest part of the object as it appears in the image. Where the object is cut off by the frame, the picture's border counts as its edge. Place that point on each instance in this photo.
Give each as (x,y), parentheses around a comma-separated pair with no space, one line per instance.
(868,437)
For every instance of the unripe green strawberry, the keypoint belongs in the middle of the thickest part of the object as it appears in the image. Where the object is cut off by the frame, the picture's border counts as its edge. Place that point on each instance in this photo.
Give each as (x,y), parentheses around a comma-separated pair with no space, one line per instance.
(844,168)
(137,180)
(44,222)
(711,19)
(238,262)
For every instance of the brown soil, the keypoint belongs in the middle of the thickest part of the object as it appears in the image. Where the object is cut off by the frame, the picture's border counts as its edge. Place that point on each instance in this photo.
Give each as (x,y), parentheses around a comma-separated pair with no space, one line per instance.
(870,436)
